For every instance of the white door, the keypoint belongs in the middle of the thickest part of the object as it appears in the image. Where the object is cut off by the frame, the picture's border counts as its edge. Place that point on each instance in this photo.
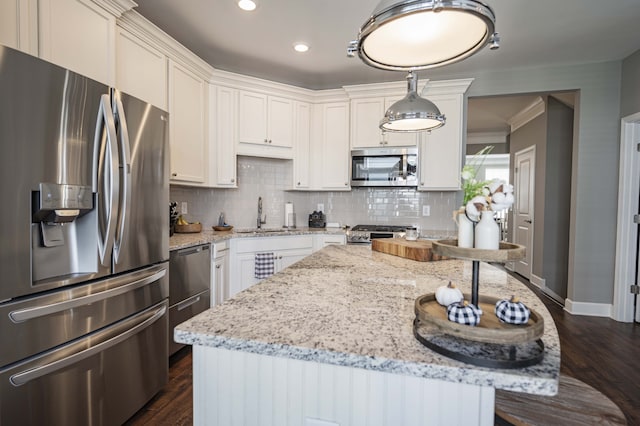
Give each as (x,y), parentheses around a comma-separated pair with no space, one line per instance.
(628,235)
(524,181)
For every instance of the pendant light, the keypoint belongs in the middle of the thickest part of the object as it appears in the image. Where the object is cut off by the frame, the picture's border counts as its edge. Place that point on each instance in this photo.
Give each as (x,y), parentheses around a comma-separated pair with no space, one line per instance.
(412,35)
(412,113)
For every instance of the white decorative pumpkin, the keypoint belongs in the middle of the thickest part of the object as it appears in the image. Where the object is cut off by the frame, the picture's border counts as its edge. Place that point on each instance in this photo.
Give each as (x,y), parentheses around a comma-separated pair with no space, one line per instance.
(448,294)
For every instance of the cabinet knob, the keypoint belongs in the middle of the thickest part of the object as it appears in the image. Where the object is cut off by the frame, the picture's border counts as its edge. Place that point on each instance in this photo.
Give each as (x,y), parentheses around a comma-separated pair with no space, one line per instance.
(422,183)
(217,266)
(298,183)
(346,184)
(174,174)
(279,257)
(269,140)
(266,141)
(233,180)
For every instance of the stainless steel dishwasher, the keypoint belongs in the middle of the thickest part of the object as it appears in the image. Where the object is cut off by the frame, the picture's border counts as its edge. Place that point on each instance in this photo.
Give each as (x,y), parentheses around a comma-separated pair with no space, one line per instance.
(189,286)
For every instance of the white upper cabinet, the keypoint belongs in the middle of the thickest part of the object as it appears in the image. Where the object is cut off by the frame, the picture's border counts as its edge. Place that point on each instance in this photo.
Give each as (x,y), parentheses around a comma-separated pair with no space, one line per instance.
(187,130)
(302,147)
(222,137)
(78,35)
(265,125)
(366,114)
(141,69)
(441,151)
(19,25)
(330,149)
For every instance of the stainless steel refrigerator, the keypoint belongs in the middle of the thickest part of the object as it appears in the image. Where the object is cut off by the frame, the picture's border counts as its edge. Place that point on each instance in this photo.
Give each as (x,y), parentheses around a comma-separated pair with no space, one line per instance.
(84,245)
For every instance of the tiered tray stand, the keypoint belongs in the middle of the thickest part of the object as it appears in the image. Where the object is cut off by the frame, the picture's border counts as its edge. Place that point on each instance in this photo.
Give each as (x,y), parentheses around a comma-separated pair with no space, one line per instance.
(492,343)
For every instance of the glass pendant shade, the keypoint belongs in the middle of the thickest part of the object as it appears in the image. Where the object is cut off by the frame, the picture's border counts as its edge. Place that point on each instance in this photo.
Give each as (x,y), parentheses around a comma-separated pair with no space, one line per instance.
(413,35)
(412,113)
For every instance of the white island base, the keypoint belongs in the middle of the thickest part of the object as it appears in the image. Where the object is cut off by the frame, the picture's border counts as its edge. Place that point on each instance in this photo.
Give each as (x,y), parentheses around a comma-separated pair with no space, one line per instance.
(236,388)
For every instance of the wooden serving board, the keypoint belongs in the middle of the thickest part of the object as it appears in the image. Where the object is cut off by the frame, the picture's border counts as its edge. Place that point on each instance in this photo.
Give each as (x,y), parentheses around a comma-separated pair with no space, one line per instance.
(415,250)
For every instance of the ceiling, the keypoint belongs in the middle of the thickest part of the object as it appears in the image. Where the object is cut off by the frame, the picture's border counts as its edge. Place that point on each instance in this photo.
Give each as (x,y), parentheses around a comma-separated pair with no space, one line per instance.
(260,43)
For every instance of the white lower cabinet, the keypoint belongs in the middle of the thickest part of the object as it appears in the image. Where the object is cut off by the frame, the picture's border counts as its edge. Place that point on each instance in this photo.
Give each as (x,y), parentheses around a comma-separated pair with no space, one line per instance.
(321,241)
(219,272)
(287,250)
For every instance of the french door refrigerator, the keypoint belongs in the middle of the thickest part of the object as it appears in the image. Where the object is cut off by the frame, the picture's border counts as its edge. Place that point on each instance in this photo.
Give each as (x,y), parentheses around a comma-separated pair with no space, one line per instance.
(84,245)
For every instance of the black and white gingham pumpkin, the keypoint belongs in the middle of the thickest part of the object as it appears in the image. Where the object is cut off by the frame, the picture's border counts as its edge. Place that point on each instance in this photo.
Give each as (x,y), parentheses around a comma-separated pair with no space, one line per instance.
(463,312)
(512,311)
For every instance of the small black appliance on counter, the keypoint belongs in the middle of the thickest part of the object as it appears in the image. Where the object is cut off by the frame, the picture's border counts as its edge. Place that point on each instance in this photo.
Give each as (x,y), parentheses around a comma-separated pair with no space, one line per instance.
(317,220)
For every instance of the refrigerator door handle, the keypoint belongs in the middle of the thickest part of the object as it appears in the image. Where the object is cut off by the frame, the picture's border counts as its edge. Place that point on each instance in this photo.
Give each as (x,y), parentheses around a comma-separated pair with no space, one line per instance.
(124,149)
(26,314)
(138,323)
(108,179)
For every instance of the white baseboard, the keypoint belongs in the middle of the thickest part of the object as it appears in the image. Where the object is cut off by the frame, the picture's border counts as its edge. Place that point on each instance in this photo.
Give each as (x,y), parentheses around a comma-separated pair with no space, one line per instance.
(588,309)
(539,282)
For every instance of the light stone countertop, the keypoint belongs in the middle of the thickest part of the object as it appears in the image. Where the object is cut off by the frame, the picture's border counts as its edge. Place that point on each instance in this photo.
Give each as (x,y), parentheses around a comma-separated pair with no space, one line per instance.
(179,241)
(351,306)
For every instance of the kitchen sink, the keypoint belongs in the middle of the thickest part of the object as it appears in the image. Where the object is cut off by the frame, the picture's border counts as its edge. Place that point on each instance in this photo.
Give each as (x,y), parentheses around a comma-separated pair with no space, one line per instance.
(260,230)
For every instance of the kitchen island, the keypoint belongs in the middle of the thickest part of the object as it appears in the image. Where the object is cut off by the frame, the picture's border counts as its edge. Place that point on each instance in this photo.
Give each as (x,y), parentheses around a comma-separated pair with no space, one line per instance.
(330,341)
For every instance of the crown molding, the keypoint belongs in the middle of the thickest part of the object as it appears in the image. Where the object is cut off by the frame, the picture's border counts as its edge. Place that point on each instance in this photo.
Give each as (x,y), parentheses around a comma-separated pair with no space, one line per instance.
(487,138)
(535,109)
(394,88)
(447,87)
(116,7)
(139,26)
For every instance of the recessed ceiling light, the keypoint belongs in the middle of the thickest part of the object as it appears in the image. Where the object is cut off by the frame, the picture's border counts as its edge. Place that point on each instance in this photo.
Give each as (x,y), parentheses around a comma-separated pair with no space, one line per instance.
(301,47)
(247,5)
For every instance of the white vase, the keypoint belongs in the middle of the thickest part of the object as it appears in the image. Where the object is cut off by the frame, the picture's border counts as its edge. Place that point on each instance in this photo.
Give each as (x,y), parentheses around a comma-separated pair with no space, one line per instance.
(487,232)
(465,231)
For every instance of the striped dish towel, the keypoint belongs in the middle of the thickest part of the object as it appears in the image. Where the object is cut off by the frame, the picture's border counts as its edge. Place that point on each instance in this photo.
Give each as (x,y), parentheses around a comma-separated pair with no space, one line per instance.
(264,266)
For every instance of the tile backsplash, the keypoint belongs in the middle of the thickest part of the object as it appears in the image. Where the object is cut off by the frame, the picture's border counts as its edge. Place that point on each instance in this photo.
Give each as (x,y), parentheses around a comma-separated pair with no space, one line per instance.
(271,179)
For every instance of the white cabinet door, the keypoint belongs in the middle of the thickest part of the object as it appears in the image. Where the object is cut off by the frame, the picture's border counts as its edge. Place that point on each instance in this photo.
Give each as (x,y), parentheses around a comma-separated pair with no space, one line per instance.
(441,150)
(365,119)
(265,125)
(366,114)
(323,240)
(187,107)
(302,147)
(19,25)
(79,35)
(222,137)
(280,122)
(286,258)
(245,273)
(334,155)
(252,118)
(220,274)
(141,69)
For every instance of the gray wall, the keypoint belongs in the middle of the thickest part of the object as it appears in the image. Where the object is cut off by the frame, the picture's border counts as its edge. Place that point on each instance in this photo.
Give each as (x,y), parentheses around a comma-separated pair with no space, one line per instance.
(630,93)
(594,158)
(557,196)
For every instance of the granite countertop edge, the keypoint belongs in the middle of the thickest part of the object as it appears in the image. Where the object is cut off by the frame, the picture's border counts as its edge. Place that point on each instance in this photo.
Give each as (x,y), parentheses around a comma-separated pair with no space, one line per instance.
(471,375)
(179,241)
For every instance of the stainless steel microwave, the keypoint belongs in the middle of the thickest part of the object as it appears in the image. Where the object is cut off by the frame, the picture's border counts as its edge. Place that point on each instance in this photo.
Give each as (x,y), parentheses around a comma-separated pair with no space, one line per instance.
(384,167)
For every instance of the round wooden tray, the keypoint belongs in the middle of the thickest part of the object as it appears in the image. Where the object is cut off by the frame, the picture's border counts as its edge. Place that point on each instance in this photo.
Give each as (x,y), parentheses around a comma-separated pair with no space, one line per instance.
(490,329)
(506,253)
(223,228)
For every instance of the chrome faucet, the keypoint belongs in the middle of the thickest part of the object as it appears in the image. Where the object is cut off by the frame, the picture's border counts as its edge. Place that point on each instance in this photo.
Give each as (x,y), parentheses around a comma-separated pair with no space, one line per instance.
(260,220)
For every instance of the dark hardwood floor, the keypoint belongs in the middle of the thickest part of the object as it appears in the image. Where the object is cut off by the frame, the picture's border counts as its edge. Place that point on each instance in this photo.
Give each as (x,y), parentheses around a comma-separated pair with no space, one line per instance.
(599,351)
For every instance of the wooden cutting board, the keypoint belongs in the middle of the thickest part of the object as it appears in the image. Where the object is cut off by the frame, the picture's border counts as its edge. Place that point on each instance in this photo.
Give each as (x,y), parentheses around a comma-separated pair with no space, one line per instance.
(415,250)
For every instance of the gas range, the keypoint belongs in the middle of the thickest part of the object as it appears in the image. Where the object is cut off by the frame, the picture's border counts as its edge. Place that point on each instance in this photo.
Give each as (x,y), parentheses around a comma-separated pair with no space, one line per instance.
(362,234)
